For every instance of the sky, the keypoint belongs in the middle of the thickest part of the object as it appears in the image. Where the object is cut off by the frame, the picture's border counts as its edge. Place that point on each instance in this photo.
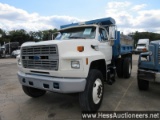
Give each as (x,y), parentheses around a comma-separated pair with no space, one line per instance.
(34,15)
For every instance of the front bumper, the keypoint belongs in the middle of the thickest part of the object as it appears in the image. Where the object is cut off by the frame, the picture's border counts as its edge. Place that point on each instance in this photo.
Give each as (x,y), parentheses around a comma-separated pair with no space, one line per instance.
(137,52)
(149,75)
(49,83)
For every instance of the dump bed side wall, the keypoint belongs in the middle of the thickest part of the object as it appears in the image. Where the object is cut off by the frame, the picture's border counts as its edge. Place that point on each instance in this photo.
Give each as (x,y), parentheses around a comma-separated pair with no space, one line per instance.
(122,45)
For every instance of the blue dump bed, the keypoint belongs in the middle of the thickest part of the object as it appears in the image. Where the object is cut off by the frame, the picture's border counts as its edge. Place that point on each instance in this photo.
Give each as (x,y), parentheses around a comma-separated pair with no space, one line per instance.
(122,45)
(102,21)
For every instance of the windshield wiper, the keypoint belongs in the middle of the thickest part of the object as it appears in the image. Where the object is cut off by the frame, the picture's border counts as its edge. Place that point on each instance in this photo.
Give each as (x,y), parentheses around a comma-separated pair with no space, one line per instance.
(75,37)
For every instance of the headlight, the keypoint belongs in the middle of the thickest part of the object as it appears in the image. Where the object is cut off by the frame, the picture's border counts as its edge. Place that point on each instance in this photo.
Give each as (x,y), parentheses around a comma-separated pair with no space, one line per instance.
(75,64)
(19,61)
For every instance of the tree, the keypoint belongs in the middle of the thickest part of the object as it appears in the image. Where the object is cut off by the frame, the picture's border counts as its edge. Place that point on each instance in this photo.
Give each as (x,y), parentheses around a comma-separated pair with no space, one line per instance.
(49,34)
(2,36)
(20,36)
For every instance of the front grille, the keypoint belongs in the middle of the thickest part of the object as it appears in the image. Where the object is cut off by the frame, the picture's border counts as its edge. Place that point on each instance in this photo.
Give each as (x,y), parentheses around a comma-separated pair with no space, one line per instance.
(139,49)
(39,50)
(40,57)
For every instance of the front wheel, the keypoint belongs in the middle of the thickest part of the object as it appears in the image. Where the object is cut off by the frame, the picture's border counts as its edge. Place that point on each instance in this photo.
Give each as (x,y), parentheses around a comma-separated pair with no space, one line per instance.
(143,84)
(33,92)
(91,98)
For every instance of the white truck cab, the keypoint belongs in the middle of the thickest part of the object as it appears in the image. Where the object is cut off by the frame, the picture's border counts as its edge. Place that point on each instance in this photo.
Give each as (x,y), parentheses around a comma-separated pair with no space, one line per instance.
(95,35)
(142,45)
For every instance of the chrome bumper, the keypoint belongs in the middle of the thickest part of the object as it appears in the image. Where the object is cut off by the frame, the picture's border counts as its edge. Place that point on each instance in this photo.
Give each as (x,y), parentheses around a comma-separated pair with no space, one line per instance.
(60,85)
(149,75)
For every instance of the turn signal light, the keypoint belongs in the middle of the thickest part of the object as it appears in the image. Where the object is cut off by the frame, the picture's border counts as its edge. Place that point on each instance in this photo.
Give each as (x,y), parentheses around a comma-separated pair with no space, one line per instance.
(144,50)
(80,48)
(86,61)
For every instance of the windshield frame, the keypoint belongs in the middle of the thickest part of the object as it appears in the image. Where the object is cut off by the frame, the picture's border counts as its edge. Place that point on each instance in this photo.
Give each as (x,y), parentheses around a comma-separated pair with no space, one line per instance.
(90,34)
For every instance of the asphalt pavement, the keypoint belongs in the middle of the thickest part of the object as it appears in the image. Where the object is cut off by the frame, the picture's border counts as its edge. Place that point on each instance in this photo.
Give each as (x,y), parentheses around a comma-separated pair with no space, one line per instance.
(123,95)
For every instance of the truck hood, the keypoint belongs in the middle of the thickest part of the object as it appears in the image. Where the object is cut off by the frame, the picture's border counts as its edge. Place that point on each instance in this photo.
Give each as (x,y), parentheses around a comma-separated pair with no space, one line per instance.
(49,42)
(65,46)
(140,47)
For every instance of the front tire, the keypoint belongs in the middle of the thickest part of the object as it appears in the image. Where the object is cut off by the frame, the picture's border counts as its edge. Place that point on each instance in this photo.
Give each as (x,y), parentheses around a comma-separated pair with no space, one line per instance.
(143,84)
(33,92)
(91,99)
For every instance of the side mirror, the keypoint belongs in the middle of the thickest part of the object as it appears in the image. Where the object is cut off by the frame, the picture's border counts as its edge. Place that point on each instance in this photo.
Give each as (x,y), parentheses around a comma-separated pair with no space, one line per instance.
(112,32)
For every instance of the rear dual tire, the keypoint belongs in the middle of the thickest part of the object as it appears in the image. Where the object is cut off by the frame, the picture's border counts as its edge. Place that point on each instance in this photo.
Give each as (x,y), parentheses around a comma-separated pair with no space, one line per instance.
(119,67)
(124,67)
(127,67)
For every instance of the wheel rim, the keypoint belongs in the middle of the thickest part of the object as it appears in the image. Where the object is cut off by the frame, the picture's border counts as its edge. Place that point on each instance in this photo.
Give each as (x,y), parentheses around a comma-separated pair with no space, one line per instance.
(97,91)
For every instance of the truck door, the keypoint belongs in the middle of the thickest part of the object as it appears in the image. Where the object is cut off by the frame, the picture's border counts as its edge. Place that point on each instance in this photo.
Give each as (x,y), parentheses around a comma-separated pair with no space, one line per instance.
(104,46)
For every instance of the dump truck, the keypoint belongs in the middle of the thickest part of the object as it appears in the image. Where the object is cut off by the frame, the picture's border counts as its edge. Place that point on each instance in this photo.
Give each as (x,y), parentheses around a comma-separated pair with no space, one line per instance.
(82,58)
(149,66)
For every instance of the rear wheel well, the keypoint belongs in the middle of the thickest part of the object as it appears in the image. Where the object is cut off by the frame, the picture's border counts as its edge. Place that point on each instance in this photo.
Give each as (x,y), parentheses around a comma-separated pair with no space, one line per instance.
(99,65)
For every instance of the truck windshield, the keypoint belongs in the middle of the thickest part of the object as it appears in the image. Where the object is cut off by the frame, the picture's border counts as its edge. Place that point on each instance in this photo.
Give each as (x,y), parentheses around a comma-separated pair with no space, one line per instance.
(141,45)
(77,33)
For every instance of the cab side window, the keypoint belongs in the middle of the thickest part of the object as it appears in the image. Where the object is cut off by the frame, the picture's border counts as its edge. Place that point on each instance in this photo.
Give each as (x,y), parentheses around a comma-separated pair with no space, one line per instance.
(102,35)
